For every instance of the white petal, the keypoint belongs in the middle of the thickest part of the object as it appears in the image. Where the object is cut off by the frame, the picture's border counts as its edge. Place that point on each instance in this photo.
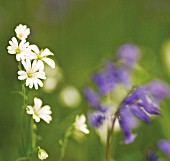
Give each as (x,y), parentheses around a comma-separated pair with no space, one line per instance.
(36,118)
(46,52)
(35,85)
(37,103)
(34,48)
(30,110)
(15,42)
(46,118)
(22,77)
(50,62)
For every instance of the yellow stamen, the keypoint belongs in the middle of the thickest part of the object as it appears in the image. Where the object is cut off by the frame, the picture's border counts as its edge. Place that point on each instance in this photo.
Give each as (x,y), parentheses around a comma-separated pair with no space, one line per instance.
(18,50)
(20,35)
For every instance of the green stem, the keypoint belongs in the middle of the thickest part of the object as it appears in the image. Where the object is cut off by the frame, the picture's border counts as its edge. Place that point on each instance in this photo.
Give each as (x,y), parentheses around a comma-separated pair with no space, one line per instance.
(110,130)
(63,142)
(109,139)
(23,118)
(33,134)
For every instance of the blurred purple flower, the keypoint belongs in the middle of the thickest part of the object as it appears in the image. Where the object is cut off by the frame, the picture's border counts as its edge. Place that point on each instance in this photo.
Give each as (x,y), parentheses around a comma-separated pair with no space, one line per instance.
(164,145)
(159,90)
(96,119)
(140,98)
(112,76)
(92,97)
(127,122)
(103,82)
(129,54)
(151,156)
(136,105)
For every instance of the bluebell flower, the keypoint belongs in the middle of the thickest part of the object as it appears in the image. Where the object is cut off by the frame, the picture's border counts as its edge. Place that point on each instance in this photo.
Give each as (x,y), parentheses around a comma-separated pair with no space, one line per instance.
(92,97)
(127,122)
(159,90)
(103,82)
(151,156)
(141,98)
(164,145)
(129,54)
(96,119)
(112,76)
(136,105)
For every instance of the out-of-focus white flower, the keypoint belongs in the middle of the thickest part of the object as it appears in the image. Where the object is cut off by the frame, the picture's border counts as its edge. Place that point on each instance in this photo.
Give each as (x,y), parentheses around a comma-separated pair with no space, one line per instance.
(20,49)
(54,76)
(41,55)
(38,112)
(42,154)
(33,73)
(22,31)
(70,96)
(80,124)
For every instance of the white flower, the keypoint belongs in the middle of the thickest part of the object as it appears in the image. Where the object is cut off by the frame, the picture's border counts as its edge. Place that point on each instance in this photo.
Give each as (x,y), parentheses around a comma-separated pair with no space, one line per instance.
(41,55)
(20,49)
(80,124)
(22,31)
(42,154)
(38,112)
(33,73)
(70,96)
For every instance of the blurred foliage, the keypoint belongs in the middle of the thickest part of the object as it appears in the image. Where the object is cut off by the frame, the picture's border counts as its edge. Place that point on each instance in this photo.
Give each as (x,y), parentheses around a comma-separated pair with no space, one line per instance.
(82,34)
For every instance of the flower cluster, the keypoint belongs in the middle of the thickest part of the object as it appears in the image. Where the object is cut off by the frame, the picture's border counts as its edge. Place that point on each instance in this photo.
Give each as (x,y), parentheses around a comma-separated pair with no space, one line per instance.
(32,62)
(141,103)
(31,58)
(115,78)
(114,84)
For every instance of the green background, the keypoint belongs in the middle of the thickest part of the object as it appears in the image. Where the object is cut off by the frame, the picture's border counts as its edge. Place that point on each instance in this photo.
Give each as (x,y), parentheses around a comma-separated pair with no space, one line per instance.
(82,34)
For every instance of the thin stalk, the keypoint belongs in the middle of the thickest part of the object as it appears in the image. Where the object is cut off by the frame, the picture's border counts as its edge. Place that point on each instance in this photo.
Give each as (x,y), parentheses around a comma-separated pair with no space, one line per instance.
(33,134)
(110,130)
(63,142)
(109,139)
(23,120)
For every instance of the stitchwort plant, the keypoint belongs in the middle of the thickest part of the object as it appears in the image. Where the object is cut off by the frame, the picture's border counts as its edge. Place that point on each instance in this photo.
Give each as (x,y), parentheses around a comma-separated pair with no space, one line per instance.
(31,65)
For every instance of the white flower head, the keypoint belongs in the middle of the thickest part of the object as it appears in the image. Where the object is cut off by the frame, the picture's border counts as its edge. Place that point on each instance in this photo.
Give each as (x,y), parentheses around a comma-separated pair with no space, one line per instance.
(80,124)
(42,154)
(22,31)
(70,96)
(20,49)
(38,112)
(33,73)
(41,55)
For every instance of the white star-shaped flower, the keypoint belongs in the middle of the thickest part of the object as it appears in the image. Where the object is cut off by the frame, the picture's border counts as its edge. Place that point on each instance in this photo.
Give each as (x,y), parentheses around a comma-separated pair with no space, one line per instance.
(42,154)
(80,124)
(22,31)
(38,112)
(41,55)
(33,73)
(20,49)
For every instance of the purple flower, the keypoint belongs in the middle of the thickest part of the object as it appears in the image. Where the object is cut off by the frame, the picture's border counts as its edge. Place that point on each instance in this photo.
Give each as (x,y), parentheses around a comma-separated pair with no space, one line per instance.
(103,82)
(96,119)
(127,122)
(151,156)
(112,76)
(164,145)
(128,54)
(92,97)
(140,113)
(158,90)
(140,98)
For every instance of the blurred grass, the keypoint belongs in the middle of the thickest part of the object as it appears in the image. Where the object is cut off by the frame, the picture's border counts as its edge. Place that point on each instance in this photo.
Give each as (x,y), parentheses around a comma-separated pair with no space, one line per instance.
(82,34)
